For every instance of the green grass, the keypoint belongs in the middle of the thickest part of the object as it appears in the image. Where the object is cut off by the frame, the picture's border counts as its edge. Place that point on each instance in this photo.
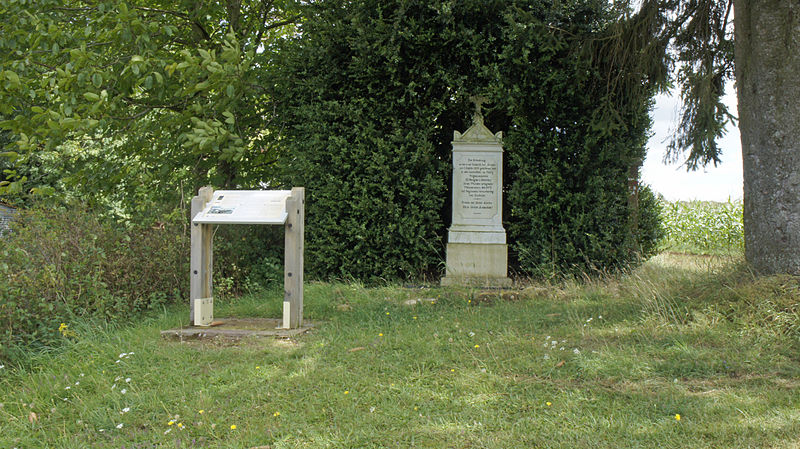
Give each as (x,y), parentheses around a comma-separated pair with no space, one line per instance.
(694,336)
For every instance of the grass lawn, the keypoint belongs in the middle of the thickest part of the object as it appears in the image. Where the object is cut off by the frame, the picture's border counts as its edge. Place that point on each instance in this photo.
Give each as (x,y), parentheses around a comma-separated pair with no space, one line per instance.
(684,352)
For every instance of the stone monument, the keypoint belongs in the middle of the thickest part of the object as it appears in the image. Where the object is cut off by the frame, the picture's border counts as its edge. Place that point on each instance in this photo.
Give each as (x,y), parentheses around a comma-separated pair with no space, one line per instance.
(477,253)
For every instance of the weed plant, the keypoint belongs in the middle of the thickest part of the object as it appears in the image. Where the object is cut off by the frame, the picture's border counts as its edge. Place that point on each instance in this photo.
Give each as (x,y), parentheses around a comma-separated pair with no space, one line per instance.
(686,351)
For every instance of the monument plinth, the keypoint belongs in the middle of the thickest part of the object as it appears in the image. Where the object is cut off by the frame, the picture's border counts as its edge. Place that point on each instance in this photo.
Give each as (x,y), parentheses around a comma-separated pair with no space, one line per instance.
(477,253)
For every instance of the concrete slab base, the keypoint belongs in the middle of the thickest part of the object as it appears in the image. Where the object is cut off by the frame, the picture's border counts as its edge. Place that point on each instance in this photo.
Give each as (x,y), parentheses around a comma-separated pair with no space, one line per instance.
(237,328)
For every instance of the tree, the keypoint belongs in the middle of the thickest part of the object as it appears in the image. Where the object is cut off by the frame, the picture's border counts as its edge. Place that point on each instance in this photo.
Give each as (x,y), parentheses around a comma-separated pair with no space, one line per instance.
(767,63)
(175,90)
(371,91)
(768,86)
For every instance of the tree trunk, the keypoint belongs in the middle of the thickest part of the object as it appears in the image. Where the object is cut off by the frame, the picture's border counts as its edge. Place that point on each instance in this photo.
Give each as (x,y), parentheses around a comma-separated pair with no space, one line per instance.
(767,57)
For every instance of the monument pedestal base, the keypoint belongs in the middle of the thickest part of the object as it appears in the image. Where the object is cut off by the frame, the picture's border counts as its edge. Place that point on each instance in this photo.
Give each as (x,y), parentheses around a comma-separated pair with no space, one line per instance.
(478,264)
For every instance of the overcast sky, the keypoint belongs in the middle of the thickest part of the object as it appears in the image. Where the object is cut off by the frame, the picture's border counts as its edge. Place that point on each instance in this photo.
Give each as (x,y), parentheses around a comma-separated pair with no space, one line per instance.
(712,183)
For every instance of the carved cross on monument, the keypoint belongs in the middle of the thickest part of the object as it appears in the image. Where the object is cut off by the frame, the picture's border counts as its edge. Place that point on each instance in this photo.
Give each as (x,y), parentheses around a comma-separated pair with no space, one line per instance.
(478,100)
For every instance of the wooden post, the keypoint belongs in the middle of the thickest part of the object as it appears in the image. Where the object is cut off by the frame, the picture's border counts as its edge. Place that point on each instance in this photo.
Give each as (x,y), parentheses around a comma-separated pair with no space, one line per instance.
(201,253)
(293,260)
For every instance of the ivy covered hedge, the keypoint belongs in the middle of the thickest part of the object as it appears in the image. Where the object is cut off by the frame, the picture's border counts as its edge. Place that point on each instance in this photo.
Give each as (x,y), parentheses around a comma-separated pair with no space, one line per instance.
(371,91)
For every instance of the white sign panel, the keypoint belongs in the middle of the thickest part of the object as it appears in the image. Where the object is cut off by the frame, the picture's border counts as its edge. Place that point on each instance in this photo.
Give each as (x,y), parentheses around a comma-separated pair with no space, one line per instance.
(245,207)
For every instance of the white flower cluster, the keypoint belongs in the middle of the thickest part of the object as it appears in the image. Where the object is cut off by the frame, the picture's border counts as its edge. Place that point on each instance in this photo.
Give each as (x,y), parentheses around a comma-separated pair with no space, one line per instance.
(552,344)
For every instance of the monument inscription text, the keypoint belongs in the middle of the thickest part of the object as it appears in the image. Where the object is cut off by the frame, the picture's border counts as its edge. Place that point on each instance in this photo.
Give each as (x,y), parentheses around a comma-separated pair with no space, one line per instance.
(479,184)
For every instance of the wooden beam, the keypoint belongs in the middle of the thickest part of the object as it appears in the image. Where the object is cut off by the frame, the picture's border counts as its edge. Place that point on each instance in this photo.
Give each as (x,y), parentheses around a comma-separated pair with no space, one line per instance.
(201,261)
(293,259)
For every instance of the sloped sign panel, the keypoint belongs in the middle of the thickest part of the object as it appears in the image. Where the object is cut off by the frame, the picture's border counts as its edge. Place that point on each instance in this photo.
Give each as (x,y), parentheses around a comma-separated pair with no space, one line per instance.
(245,207)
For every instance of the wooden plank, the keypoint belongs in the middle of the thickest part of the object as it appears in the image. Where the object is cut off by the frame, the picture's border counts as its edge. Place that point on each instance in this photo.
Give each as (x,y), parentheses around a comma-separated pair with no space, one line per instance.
(294,234)
(201,253)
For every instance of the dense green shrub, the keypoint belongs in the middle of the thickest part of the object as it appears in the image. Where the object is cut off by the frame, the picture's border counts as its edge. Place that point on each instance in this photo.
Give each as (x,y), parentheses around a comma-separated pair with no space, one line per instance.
(59,265)
(371,91)
(247,259)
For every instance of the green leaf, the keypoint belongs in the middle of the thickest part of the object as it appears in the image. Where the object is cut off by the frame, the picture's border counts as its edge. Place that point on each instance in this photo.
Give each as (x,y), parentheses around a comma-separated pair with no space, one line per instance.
(91,96)
(13,77)
(97,80)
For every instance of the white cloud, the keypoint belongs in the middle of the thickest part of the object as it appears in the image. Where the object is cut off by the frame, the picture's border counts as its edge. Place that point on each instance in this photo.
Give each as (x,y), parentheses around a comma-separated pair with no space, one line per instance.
(673,181)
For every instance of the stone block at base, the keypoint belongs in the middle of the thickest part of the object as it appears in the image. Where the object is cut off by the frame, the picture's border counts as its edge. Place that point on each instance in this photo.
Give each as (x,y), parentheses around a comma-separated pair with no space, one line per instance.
(477,264)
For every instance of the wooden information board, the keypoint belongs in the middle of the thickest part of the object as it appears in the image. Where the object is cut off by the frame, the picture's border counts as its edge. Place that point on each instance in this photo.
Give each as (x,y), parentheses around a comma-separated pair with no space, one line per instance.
(270,207)
(245,207)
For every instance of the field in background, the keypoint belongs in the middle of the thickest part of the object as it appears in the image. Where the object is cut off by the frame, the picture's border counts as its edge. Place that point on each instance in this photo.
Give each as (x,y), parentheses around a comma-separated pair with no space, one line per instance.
(686,351)
(703,227)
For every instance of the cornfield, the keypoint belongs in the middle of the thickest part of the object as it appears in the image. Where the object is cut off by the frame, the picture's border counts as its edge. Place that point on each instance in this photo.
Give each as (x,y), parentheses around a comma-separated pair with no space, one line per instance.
(703,226)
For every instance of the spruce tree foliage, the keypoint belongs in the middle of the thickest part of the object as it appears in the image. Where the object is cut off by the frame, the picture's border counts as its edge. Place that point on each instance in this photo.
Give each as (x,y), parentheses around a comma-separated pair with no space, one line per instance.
(370,93)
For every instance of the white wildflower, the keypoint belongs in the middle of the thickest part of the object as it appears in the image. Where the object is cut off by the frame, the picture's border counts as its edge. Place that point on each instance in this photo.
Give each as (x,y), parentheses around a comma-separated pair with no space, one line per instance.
(125,410)
(127,380)
(123,391)
(119,426)
(576,351)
